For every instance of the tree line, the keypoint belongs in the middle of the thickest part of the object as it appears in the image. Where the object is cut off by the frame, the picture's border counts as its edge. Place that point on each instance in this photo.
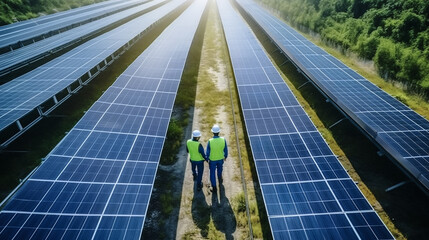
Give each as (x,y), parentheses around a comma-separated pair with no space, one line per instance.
(392,33)
(19,10)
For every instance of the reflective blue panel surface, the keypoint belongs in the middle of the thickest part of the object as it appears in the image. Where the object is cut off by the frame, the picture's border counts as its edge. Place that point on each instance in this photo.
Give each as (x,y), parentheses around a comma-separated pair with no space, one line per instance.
(307,193)
(104,169)
(400,131)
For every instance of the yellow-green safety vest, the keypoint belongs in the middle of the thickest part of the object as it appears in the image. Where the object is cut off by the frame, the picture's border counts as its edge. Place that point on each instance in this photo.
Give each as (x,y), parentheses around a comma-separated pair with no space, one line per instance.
(194,154)
(217,146)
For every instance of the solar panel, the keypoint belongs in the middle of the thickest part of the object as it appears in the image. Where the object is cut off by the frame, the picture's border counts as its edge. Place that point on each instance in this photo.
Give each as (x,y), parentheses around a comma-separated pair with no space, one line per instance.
(17,35)
(97,182)
(306,191)
(20,57)
(399,131)
(69,72)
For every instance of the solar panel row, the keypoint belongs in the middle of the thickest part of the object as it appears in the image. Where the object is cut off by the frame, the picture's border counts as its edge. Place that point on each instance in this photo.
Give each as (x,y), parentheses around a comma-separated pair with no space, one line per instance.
(16,59)
(307,192)
(17,26)
(20,34)
(401,132)
(27,93)
(97,182)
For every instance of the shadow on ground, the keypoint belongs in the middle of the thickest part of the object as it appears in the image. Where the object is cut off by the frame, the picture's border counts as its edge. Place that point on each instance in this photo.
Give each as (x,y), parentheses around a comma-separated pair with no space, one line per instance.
(222,214)
(200,211)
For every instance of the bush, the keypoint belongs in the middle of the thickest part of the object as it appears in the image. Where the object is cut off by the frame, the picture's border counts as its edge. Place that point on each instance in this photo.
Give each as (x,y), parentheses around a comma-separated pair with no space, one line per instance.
(367,46)
(385,59)
(172,143)
(411,66)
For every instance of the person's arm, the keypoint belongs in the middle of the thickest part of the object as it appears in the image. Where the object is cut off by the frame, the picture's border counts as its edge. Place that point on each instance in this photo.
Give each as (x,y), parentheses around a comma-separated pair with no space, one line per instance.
(187,150)
(208,151)
(201,150)
(225,151)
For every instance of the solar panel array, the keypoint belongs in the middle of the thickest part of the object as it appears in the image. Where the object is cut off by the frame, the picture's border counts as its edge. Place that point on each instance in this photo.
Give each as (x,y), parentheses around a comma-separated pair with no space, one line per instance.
(29,91)
(400,131)
(97,182)
(15,59)
(16,35)
(307,192)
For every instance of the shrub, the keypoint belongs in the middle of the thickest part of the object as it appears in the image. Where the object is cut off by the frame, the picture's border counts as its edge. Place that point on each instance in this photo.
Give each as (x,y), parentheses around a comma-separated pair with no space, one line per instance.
(410,66)
(386,58)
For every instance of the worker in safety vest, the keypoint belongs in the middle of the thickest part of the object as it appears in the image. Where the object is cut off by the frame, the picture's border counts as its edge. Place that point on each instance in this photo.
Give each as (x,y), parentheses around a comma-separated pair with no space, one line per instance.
(217,152)
(197,157)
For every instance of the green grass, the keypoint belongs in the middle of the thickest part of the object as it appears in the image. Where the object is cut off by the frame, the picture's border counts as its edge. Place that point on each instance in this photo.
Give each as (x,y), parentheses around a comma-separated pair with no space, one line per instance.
(190,235)
(167,201)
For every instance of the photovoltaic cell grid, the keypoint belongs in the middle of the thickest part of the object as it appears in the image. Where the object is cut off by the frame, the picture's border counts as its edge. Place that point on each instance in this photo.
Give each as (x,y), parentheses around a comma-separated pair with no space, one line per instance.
(19,57)
(25,93)
(21,25)
(402,133)
(32,30)
(307,193)
(97,182)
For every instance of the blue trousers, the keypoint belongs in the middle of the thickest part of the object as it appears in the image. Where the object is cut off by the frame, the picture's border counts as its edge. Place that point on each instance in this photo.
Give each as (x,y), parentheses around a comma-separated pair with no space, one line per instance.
(213,165)
(198,169)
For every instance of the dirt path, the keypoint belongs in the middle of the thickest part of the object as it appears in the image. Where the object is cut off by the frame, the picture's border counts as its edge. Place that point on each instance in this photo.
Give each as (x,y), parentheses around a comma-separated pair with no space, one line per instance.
(204,214)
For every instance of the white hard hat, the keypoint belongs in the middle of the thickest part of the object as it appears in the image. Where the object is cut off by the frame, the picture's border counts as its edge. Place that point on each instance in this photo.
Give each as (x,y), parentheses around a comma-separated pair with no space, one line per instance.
(196,133)
(215,129)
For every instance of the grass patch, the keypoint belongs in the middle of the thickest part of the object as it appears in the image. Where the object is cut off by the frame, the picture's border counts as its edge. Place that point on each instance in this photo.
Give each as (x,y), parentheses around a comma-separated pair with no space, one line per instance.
(167,200)
(190,235)
(213,233)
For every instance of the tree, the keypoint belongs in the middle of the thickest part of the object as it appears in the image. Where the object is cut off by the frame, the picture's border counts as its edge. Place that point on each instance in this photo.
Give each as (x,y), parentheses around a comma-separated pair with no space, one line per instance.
(386,59)
(408,28)
(359,7)
(410,67)
(367,46)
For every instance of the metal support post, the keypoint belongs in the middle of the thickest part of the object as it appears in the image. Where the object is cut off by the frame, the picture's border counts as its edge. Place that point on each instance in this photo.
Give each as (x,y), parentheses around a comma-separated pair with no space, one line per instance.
(396,186)
(287,60)
(302,85)
(336,123)
(39,109)
(18,123)
(275,50)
